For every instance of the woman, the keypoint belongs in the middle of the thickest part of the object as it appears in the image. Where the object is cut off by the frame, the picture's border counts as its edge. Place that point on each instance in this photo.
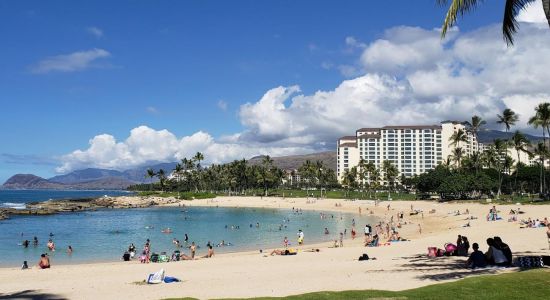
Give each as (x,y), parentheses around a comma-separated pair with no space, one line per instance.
(495,256)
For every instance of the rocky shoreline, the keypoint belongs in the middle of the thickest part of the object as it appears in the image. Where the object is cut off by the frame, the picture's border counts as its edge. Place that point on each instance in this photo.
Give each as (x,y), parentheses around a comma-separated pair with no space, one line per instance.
(83,204)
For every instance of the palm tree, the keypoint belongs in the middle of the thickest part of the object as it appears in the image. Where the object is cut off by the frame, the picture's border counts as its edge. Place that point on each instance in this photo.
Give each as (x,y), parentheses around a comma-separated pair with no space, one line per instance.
(520,143)
(374,177)
(475,125)
(509,22)
(267,164)
(198,157)
(363,173)
(162,177)
(390,173)
(151,173)
(542,152)
(542,119)
(457,137)
(508,118)
(457,156)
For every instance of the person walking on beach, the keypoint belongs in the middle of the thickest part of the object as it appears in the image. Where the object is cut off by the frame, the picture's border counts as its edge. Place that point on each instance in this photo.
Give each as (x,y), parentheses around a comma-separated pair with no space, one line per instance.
(300,237)
(341,239)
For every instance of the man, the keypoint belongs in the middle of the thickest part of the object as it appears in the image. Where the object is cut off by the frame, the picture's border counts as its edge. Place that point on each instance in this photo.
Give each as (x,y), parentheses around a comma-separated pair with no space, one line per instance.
(44,262)
(300,237)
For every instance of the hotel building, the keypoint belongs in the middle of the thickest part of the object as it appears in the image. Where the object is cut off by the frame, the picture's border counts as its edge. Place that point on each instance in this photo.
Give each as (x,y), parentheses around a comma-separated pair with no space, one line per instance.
(412,149)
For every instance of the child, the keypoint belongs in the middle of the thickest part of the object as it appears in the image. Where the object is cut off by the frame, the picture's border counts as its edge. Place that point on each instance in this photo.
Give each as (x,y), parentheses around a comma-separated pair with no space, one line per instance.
(25,265)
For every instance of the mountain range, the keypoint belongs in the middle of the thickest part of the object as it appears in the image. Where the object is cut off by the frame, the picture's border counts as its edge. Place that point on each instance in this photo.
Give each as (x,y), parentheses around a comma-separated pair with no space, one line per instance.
(98,179)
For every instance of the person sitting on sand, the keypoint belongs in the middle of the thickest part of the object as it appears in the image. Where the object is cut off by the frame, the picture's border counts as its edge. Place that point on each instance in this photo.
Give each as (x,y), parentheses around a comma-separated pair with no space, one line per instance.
(477,258)
(44,262)
(282,252)
(126,256)
(210,252)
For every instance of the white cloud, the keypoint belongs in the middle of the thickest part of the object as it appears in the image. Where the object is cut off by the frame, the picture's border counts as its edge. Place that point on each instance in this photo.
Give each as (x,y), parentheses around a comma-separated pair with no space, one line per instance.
(145,145)
(410,76)
(533,13)
(76,61)
(98,33)
(222,104)
(152,110)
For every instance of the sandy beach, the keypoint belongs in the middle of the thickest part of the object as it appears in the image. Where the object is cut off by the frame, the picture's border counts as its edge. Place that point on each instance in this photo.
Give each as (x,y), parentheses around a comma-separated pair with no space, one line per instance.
(399,266)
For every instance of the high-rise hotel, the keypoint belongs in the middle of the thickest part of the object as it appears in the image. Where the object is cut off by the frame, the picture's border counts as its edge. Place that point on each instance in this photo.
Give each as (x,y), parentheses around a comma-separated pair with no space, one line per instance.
(412,149)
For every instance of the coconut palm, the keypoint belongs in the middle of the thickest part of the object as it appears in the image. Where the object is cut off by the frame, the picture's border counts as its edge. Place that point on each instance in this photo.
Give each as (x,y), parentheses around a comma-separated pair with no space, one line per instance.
(151,173)
(542,152)
(198,157)
(475,125)
(509,22)
(542,119)
(508,118)
(520,143)
(457,137)
(390,174)
(162,178)
(457,155)
(362,173)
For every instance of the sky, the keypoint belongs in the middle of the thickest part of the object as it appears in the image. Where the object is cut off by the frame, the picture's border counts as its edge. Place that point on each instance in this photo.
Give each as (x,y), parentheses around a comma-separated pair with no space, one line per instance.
(119,84)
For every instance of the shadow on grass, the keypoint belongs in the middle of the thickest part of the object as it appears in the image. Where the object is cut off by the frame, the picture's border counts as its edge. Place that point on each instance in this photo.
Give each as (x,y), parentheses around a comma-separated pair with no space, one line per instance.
(31,294)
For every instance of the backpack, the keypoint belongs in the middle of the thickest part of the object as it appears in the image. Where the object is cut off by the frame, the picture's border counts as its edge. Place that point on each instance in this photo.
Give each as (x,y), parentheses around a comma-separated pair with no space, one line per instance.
(364,257)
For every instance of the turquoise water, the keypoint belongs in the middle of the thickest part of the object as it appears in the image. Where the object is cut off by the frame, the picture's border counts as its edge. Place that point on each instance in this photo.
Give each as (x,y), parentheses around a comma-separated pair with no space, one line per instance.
(103,235)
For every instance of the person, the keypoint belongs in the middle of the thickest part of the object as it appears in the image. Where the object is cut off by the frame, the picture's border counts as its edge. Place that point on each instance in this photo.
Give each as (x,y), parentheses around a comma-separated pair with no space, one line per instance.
(548,235)
(126,256)
(368,230)
(51,245)
(341,239)
(500,245)
(186,239)
(285,242)
(300,237)
(326,231)
(477,258)
(35,241)
(70,250)
(193,249)
(281,252)
(210,252)
(26,243)
(25,265)
(494,256)
(44,262)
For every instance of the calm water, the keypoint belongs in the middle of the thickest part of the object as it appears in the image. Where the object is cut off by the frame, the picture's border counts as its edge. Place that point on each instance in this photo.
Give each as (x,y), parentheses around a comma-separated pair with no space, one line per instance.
(18,198)
(103,235)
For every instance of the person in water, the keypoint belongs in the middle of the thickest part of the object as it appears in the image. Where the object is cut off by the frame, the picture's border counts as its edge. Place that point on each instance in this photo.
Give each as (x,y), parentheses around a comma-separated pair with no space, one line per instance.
(70,250)
(26,243)
(44,262)
(51,245)
(35,241)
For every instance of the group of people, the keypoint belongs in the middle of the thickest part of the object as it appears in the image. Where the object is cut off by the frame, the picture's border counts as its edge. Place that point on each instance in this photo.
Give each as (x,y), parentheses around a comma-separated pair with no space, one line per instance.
(498,254)
(148,256)
(493,214)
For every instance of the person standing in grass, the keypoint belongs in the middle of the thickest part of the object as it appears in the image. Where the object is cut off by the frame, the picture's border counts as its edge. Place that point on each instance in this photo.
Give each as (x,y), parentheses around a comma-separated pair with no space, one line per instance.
(548,235)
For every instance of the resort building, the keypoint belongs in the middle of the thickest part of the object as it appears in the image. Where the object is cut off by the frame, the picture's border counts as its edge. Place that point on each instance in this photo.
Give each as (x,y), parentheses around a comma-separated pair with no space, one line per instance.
(412,149)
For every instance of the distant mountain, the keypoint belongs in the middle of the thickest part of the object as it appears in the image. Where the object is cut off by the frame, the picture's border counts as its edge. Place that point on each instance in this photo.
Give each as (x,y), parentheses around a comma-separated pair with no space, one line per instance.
(295,161)
(487,136)
(85,175)
(29,181)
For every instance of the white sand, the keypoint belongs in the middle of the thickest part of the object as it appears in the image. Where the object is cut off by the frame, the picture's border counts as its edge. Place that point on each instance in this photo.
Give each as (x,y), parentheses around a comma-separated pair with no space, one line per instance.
(402,265)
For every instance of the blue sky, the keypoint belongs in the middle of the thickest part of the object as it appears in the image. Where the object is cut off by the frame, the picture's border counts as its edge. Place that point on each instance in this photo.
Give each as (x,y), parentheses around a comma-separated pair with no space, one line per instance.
(184,66)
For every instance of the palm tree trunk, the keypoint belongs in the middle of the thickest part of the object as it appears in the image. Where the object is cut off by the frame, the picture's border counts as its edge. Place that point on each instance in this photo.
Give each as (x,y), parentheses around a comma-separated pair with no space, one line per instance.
(517,171)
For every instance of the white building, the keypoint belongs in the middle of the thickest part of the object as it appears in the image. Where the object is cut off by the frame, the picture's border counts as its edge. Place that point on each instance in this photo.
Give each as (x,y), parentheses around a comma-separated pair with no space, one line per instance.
(412,149)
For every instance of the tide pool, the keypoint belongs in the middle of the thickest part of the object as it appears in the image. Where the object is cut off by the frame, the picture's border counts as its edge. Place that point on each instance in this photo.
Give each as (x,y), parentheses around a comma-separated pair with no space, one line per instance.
(105,234)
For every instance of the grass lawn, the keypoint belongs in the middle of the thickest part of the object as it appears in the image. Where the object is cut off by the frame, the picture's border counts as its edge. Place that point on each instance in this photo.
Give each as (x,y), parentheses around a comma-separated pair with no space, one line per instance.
(533,284)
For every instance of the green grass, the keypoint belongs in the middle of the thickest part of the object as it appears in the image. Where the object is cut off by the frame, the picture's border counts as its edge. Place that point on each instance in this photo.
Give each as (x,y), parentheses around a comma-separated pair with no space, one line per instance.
(534,284)
(337,194)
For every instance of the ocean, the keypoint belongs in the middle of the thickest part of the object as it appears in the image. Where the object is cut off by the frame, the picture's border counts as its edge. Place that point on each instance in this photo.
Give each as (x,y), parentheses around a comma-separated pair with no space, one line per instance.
(18,198)
(105,234)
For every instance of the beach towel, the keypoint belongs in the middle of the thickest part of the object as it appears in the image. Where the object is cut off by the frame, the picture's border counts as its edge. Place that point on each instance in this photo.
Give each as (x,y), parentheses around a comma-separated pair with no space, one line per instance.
(530,262)
(168,279)
(155,278)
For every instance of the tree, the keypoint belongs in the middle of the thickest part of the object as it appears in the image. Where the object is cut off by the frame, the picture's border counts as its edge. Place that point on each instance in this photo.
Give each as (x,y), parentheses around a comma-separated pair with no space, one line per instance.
(457,137)
(542,119)
(198,158)
(363,173)
(162,178)
(509,22)
(542,152)
(520,143)
(457,156)
(475,125)
(390,174)
(151,173)
(267,164)
(508,118)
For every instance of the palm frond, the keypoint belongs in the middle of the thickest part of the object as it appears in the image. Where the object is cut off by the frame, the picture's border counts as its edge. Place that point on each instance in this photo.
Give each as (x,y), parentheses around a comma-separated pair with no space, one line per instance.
(509,22)
(457,7)
(546,8)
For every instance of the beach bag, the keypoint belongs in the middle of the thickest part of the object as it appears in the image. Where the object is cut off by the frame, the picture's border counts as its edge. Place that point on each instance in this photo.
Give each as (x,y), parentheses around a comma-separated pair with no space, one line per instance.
(432,251)
(154,257)
(440,252)
(155,278)
(365,256)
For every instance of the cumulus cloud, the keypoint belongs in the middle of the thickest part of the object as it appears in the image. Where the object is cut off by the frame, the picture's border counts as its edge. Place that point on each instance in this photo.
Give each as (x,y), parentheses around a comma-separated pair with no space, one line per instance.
(222,104)
(533,13)
(147,145)
(408,76)
(76,61)
(98,33)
